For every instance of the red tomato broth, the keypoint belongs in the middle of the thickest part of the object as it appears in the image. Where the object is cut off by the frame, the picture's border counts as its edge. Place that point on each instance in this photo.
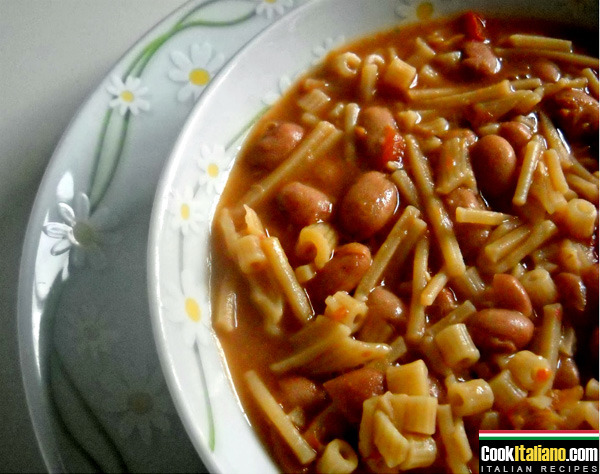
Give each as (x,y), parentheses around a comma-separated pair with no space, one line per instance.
(250,347)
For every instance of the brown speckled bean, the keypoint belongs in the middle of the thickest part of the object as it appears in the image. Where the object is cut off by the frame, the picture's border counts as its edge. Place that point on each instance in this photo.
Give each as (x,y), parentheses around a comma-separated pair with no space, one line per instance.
(304,205)
(277,142)
(342,273)
(368,205)
(510,294)
(383,304)
(516,133)
(376,121)
(572,291)
(479,58)
(495,163)
(500,330)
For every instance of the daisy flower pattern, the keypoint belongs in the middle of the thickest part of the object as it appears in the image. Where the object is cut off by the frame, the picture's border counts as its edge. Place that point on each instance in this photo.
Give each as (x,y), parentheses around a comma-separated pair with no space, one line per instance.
(196,70)
(128,95)
(187,307)
(140,402)
(80,233)
(92,333)
(188,212)
(269,7)
(321,50)
(273,96)
(212,162)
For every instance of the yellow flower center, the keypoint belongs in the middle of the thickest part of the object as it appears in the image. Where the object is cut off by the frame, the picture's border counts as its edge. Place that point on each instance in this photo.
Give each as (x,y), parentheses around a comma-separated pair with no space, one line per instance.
(185,211)
(213,170)
(271,1)
(424,10)
(127,96)
(199,77)
(192,309)
(140,403)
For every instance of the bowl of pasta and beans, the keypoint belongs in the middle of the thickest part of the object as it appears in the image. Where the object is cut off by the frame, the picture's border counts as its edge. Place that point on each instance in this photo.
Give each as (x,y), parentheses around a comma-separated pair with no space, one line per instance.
(405,250)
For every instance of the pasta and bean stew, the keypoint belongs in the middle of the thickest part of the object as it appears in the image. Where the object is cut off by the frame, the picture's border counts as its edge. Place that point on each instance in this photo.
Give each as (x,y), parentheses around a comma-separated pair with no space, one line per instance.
(406,251)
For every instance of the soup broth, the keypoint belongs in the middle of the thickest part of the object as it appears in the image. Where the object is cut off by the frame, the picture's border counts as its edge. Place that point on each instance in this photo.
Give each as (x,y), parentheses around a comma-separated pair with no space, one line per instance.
(406,251)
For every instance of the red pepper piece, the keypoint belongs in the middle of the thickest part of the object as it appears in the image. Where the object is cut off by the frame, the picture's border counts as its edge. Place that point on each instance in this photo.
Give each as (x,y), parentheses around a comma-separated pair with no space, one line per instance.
(474,26)
(393,147)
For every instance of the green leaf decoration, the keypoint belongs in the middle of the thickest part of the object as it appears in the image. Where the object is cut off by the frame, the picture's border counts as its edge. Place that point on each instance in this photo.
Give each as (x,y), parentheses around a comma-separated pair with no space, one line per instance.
(221,13)
(110,147)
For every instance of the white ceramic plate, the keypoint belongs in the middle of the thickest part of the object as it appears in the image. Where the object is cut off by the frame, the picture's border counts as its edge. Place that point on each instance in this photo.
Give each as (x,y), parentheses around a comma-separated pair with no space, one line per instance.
(93,381)
(179,258)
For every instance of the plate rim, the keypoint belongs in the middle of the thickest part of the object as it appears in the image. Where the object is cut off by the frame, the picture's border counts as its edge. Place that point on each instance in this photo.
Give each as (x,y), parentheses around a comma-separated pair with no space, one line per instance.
(36,396)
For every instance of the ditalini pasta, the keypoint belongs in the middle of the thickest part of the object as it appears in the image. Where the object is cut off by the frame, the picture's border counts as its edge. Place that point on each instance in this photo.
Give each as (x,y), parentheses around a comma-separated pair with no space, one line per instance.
(407,249)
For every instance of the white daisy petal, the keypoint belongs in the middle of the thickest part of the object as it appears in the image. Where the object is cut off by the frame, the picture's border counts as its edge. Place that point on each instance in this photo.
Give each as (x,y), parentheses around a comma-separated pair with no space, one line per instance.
(200,54)
(56,230)
(126,425)
(60,247)
(145,431)
(181,61)
(143,105)
(161,422)
(117,84)
(178,75)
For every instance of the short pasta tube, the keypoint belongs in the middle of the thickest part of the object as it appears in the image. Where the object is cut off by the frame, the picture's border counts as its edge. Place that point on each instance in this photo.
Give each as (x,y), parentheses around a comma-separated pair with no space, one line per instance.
(540,287)
(580,218)
(456,346)
(337,458)
(411,378)
(345,309)
(530,370)
(470,397)
(319,240)
(506,392)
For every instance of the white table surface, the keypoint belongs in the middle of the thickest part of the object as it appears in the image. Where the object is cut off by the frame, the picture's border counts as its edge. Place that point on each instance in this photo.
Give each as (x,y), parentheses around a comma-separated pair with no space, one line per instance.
(52,54)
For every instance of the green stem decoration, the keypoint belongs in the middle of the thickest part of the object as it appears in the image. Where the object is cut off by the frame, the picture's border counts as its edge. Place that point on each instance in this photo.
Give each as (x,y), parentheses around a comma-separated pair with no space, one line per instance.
(114,128)
(209,411)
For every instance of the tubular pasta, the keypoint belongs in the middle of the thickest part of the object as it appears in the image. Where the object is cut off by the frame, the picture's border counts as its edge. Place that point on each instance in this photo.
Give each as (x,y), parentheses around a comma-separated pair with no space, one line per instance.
(285,276)
(320,238)
(592,79)
(433,288)
(473,96)
(571,58)
(539,234)
(409,379)
(415,327)
(540,42)
(399,74)
(457,315)
(533,152)
(314,101)
(470,397)
(506,392)
(338,457)
(274,412)
(326,346)
(547,342)
(458,451)
(456,346)
(407,188)
(480,216)
(226,314)
(401,239)
(368,81)
(434,209)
